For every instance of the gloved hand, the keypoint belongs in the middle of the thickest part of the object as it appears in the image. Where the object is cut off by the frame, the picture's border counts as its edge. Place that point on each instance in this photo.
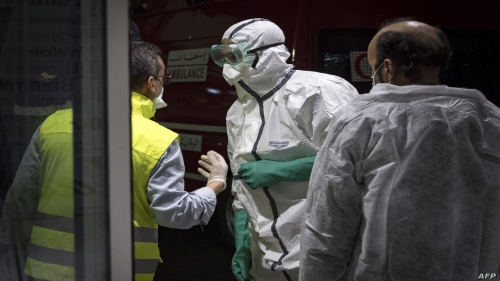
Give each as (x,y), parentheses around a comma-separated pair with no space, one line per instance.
(266,172)
(242,258)
(215,167)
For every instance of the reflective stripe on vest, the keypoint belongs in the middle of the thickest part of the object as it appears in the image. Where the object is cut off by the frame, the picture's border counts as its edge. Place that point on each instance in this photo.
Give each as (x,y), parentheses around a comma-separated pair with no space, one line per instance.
(142,234)
(53,256)
(145,236)
(46,271)
(54,222)
(47,222)
(51,250)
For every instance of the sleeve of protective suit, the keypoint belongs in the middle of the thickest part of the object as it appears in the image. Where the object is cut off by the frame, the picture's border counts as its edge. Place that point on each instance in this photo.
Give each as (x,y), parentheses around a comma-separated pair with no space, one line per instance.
(242,257)
(234,119)
(333,199)
(315,114)
(267,172)
(22,199)
(170,204)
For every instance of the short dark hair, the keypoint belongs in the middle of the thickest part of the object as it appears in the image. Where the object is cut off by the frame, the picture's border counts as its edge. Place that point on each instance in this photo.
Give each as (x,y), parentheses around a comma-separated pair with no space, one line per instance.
(143,63)
(410,52)
(141,45)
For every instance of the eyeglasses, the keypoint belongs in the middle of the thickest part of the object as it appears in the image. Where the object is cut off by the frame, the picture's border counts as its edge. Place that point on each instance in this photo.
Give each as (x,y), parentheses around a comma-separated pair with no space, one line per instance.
(165,80)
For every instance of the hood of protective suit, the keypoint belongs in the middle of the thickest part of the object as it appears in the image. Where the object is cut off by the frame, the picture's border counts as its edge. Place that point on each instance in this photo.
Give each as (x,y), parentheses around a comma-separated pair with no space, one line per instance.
(272,65)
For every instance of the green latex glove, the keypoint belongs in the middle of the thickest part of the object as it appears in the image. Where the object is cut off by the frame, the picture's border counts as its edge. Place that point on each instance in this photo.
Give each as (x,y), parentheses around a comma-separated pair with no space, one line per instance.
(242,257)
(266,172)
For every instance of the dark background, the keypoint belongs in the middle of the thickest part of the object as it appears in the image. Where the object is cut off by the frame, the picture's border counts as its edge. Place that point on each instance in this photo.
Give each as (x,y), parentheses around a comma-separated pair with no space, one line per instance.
(194,254)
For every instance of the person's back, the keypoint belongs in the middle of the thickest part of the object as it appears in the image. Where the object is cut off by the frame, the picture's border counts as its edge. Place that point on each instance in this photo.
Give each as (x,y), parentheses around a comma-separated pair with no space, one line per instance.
(407,183)
(51,249)
(428,173)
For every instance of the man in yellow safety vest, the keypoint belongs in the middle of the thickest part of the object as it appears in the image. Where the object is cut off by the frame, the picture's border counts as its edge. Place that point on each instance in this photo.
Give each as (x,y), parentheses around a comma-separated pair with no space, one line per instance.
(42,192)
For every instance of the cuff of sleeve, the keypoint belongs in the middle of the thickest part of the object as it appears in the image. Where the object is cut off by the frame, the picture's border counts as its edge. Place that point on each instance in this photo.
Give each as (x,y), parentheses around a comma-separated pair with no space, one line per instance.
(207,193)
(219,180)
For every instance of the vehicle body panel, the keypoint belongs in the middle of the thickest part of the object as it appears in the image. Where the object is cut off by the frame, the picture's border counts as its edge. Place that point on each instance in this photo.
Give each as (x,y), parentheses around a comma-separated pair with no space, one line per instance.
(308,25)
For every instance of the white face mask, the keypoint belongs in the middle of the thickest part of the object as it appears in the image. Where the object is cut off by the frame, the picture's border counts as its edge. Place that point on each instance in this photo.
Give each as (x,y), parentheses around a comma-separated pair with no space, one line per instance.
(158,101)
(231,75)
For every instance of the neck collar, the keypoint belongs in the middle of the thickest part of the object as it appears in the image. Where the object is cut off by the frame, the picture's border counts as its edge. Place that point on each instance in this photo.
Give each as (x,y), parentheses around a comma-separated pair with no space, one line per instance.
(142,105)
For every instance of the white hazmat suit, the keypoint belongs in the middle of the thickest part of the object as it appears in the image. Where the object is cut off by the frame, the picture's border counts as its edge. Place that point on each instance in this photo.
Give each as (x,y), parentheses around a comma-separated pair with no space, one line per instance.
(281,114)
(406,187)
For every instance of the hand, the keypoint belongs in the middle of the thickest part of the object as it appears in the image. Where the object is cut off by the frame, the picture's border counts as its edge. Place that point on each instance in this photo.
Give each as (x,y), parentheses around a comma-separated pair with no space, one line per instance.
(214,168)
(267,172)
(259,173)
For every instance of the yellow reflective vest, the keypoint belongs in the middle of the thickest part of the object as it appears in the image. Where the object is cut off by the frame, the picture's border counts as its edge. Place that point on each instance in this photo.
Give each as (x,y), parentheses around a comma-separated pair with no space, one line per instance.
(51,250)
(149,142)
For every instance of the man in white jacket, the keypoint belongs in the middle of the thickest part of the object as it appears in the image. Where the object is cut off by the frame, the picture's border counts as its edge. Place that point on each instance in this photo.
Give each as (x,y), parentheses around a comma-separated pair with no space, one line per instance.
(407,183)
(275,129)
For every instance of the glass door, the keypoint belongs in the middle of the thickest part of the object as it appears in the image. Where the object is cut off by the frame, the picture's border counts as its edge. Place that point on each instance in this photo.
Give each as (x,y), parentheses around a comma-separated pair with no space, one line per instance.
(64,141)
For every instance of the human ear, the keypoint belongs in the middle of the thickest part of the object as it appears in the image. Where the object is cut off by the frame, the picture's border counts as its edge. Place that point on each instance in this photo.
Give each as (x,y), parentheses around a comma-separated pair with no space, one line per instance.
(151,84)
(390,69)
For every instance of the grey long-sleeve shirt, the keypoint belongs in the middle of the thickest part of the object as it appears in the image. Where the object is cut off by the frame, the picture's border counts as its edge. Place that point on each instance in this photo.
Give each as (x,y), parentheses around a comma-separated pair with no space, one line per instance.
(171,205)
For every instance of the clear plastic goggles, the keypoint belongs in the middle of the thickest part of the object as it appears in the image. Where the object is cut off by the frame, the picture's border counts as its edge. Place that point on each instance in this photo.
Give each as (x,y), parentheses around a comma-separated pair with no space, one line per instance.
(234,54)
(238,53)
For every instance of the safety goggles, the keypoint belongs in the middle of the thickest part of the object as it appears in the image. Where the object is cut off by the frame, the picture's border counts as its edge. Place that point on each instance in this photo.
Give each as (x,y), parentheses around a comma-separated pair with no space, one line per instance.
(223,53)
(235,54)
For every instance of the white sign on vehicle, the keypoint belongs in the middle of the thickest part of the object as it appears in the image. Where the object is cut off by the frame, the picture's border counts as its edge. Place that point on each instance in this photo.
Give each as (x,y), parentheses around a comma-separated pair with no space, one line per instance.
(360,69)
(190,142)
(188,57)
(189,73)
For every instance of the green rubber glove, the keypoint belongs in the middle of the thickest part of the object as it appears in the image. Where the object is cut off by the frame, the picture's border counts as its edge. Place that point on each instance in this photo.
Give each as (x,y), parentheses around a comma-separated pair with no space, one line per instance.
(242,257)
(266,172)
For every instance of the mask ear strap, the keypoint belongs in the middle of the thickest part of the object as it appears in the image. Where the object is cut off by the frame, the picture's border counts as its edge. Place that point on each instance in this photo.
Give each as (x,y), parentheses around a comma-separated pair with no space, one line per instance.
(254,51)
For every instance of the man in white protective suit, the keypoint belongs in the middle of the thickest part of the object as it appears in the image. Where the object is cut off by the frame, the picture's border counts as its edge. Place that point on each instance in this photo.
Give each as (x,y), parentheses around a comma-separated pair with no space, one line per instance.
(275,129)
(407,183)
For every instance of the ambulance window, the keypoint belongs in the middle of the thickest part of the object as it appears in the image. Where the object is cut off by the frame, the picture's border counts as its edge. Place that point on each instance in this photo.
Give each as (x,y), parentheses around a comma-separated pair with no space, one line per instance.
(342,52)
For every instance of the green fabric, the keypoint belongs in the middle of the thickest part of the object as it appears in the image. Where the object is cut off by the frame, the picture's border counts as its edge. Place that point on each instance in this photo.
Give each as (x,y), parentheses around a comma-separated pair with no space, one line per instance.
(266,172)
(242,257)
